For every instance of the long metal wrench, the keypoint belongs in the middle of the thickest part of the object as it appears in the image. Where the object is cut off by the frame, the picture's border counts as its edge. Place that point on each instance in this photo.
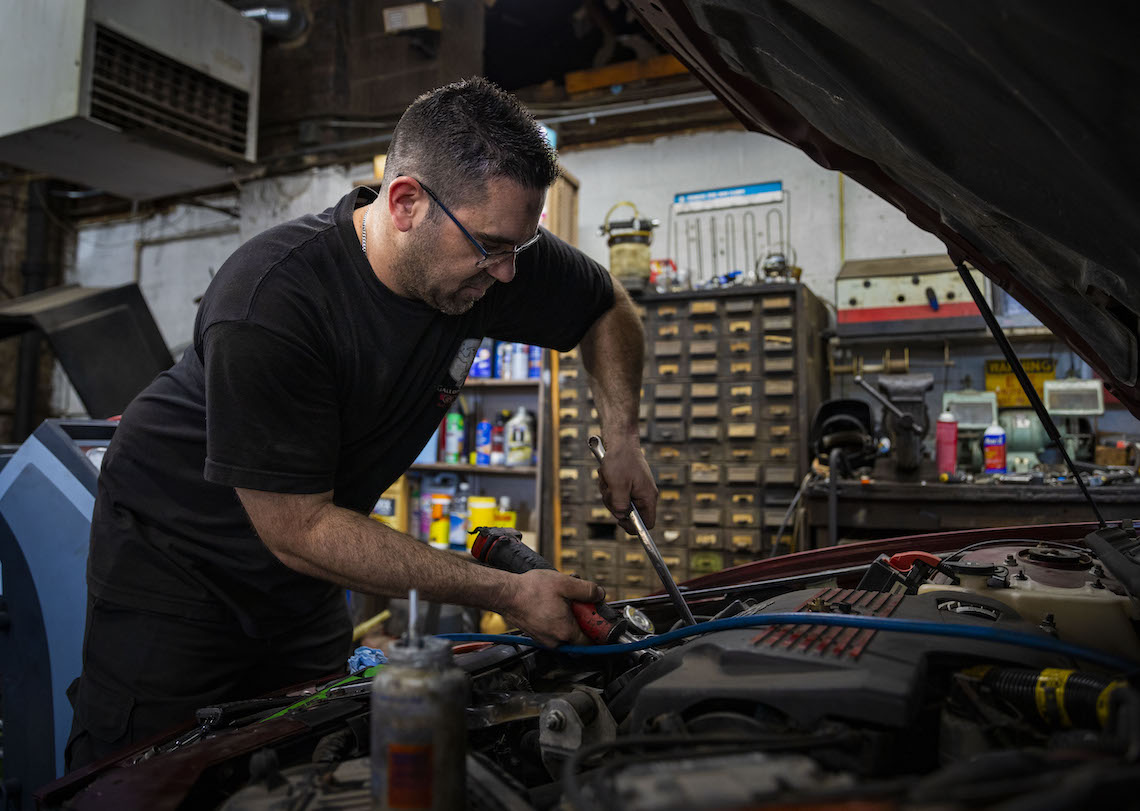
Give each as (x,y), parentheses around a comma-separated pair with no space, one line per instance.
(667,581)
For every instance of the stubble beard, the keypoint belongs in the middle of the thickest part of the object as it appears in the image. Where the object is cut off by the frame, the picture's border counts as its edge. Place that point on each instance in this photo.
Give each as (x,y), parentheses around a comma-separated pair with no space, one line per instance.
(418,272)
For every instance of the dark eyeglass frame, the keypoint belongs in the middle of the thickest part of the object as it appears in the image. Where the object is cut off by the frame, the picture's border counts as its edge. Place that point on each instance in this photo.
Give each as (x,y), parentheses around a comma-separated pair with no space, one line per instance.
(488,257)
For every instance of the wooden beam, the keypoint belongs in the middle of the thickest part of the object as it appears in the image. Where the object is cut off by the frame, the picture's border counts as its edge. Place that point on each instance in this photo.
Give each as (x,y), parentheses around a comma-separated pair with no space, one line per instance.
(580,81)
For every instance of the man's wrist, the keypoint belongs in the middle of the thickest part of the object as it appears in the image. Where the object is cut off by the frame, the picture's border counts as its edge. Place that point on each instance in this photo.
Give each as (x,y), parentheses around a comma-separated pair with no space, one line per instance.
(504,591)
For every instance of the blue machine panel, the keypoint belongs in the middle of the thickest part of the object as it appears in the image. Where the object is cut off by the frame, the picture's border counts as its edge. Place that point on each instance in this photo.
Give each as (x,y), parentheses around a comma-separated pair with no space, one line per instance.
(47,494)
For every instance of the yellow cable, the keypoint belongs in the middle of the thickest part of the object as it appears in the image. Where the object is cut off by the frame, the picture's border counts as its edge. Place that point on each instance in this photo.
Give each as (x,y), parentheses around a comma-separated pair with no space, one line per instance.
(369,625)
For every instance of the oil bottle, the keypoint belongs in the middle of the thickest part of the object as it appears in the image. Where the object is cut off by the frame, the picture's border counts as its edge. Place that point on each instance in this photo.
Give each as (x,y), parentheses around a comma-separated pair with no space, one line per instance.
(419,731)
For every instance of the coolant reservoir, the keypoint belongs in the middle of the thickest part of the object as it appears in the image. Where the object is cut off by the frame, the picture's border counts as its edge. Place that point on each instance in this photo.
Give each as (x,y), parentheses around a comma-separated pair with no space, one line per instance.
(1037,582)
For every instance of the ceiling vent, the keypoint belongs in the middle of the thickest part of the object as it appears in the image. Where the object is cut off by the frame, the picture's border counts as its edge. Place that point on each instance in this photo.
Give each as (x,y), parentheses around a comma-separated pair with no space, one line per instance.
(137,98)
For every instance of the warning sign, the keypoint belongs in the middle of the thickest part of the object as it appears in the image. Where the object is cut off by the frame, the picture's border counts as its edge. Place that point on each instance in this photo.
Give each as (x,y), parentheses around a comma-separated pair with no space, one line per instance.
(1001,380)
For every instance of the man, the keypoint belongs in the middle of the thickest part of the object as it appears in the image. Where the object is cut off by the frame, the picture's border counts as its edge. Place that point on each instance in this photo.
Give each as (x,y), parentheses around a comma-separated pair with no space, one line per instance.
(232,502)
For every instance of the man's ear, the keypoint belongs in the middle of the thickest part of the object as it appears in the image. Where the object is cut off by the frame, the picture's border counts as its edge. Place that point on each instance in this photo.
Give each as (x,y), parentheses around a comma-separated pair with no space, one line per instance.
(407,203)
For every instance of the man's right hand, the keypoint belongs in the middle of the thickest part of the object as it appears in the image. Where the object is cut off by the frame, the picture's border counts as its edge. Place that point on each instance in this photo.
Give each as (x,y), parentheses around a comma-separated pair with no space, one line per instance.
(539,604)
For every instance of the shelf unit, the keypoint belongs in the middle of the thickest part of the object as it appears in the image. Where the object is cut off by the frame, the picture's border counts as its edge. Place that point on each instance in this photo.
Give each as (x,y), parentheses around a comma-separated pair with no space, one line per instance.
(732,380)
(493,470)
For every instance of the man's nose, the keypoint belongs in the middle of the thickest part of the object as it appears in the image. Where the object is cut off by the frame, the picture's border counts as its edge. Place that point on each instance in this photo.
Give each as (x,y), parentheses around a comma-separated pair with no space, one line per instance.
(503,270)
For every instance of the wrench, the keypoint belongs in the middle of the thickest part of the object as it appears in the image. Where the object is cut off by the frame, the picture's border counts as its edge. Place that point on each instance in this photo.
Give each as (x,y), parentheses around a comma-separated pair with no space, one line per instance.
(599,452)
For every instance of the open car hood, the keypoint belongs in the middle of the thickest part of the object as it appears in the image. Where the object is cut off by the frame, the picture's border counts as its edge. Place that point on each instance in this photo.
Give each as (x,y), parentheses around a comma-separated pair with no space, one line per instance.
(1005,129)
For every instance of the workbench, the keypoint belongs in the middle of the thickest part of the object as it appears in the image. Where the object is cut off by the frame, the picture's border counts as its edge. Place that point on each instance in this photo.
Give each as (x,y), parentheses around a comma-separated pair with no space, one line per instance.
(884,509)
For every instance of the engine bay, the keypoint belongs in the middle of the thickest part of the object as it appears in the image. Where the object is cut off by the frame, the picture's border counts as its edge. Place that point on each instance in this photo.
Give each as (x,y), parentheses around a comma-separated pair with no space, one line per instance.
(997,675)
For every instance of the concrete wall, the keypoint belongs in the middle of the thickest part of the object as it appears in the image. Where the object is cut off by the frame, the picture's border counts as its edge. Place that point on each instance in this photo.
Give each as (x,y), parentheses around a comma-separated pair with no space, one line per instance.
(650,174)
(182,249)
(173,274)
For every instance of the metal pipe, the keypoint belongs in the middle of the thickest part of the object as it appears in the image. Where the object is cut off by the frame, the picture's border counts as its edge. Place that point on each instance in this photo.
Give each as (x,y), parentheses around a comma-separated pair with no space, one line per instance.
(34,271)
(201,233)
(833,495)
(651,550)
(634,107)
(1026,386)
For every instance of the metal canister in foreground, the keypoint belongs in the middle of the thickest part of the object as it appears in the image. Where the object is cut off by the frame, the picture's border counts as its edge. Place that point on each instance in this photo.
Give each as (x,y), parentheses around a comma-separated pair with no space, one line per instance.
(419,731)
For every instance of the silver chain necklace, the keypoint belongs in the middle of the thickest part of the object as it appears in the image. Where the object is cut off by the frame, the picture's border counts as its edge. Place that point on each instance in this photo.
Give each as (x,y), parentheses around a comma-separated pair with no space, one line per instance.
(364,232)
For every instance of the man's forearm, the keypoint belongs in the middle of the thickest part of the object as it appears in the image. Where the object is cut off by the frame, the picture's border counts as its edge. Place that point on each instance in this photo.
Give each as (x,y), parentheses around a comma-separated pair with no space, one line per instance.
(362,554)
(613,352)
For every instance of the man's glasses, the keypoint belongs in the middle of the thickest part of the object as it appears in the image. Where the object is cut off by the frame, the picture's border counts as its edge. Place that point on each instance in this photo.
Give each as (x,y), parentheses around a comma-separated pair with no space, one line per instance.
(488,257)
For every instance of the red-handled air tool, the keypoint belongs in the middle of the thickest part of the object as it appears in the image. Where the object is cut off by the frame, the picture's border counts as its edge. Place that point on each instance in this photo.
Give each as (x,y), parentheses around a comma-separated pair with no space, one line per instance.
(503,548)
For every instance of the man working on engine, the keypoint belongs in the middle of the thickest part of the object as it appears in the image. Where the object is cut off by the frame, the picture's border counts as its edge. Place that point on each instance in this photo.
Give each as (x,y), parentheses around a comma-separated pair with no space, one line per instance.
(233,500)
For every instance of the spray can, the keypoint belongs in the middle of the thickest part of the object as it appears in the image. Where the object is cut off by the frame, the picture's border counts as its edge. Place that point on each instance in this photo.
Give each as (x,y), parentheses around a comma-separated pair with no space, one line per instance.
(946,443)
(453,437)
(457,526)
(419,731)
(483,442)
(534,362)
(993,449)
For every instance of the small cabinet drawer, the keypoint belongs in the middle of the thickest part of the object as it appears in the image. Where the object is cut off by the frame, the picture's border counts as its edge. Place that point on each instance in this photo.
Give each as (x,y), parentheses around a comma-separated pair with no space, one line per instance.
(708,539)
(705,562)
(742,474)
(779,387)
(704,367)
(673,431)
(743,541)
(669,391)
(668,411)
(704,410)
(704,473)
(702,308)
(744,517)
(704,391)
(777,322)
(704,348)
(780,474)
(705,329)
(708,517)
(671,474)
(669,536)
(705,431)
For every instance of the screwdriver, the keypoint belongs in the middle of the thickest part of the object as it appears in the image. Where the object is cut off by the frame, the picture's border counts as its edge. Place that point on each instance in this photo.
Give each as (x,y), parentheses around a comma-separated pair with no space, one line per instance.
(502,548)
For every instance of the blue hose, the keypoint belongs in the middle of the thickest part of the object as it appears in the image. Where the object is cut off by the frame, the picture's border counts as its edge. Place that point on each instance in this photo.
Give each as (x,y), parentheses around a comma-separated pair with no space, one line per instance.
(985,634)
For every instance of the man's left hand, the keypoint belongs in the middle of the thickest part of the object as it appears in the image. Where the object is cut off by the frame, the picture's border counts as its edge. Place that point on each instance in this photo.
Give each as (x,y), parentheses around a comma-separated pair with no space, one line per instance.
(625,479)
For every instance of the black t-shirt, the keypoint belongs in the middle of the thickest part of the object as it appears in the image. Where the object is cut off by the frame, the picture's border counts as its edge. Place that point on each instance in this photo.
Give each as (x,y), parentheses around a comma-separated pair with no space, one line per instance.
(306,374)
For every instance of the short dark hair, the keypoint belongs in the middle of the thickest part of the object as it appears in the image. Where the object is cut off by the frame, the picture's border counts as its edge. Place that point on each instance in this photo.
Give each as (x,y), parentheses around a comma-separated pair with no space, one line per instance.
(457,137)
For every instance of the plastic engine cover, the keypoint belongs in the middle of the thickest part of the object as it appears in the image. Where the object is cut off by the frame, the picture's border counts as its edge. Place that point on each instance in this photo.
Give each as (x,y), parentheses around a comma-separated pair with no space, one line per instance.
(812,672)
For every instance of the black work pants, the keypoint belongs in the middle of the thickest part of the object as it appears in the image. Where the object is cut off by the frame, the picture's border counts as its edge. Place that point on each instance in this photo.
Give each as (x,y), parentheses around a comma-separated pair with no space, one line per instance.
(147,672)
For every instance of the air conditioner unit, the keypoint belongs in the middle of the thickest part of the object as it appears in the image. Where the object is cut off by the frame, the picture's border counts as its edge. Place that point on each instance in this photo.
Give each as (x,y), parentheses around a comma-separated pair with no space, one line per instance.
(139,98)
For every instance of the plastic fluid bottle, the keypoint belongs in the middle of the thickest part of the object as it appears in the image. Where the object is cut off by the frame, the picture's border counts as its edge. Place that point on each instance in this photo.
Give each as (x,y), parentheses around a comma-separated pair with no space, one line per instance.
(993,449)
(520,439)
(498,439)
(419,729)
(453,436)
(534,362)
(520,361)
(457,534)
(483,445)
(946,443)
(435,508)
(484,363)
(503,352)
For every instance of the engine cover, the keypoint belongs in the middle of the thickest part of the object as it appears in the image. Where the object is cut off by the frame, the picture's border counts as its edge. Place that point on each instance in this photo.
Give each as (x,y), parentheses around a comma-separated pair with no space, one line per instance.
(813,672)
